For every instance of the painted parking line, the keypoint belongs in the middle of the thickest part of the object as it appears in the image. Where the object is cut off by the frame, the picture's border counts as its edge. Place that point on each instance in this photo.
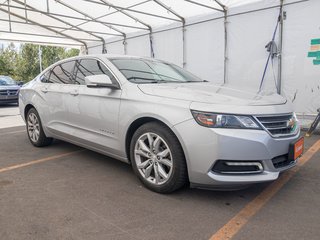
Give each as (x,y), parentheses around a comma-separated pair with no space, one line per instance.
(9,133)
(55,157)
(231,228)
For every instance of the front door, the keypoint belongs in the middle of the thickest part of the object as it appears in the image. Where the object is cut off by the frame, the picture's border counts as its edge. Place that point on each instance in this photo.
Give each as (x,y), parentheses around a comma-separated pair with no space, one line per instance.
(97,113)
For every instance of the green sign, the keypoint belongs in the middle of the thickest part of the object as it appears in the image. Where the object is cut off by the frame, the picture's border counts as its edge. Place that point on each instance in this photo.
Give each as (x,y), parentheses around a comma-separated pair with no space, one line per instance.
(315,51)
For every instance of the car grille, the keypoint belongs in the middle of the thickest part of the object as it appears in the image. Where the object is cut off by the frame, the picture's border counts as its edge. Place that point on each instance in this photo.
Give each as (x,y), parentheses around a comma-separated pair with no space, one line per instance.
(279,125)
(8,92)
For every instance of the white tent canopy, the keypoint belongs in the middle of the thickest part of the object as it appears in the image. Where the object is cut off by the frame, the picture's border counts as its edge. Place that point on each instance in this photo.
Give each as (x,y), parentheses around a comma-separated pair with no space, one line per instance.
(222,41)
(78,22)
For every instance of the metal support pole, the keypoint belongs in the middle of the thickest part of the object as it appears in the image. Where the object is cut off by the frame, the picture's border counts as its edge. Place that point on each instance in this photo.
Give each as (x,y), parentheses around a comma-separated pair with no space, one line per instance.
(40,58)
(9,15)
(108,14)
(183,21)
(42,42)
(225,23)
(25,10)
(184,46)
(135,19)
(128,9)
(62,21)
(51,14)
(225,66)
(60,28)
(224,10)
(47,28)
(48,9)
(280,49)
(206,6)
(46,35)
(125,45)
(151,44)
(90,17)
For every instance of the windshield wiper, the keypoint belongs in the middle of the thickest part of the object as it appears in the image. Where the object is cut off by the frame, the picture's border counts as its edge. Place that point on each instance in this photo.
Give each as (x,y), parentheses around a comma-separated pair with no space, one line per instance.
(145,80)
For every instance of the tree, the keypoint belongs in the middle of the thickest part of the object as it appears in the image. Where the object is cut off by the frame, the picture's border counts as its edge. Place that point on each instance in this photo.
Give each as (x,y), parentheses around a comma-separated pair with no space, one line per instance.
(27,65)
(23,64)
(8,57)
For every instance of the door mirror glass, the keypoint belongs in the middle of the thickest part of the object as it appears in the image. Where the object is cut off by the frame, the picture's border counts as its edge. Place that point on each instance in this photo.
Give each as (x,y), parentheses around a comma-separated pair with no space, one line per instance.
(100,80)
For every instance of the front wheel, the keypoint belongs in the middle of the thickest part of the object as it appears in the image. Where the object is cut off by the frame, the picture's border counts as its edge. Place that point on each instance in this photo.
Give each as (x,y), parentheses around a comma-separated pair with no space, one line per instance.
(157,158)
(35,131)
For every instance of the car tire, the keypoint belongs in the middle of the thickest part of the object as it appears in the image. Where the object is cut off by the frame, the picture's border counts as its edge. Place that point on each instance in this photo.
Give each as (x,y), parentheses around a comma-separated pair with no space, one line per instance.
(35,131)
(161,165)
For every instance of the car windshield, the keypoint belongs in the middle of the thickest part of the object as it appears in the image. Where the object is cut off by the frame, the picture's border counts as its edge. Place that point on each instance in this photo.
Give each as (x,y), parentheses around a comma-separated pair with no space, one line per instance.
(4,81)
(150,71)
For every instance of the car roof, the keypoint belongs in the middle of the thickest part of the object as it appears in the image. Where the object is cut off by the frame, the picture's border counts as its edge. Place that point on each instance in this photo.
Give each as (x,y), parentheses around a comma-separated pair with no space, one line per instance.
(106,56)
(100,56)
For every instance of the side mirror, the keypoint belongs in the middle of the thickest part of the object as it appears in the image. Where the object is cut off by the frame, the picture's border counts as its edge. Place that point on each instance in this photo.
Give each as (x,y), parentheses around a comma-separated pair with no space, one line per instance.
(99,81)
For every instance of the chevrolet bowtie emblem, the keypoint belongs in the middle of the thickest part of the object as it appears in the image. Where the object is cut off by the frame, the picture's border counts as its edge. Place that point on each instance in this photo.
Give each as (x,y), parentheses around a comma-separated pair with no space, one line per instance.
(291,123)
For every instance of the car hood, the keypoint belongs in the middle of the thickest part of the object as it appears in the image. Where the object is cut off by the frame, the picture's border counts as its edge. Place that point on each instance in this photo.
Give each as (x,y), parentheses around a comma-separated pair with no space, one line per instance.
(9,87)
(211,93)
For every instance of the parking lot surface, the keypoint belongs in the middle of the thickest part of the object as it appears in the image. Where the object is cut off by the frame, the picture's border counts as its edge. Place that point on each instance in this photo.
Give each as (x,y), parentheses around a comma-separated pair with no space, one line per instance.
(66,192)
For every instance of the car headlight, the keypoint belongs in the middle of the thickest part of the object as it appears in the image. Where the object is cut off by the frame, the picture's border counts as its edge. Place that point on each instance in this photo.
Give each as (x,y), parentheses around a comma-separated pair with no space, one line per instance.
(216,120)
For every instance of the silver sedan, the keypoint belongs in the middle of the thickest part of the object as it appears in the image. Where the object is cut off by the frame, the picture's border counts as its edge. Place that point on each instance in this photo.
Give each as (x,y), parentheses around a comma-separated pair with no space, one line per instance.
(172,127)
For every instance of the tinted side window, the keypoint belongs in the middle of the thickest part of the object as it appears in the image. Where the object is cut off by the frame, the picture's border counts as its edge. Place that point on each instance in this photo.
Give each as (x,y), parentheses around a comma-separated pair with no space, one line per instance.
(62,73)
(88,67)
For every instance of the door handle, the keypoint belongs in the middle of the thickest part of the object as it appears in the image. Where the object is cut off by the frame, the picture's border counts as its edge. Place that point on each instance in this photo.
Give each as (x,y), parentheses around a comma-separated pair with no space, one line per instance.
(74,93)
(44,89)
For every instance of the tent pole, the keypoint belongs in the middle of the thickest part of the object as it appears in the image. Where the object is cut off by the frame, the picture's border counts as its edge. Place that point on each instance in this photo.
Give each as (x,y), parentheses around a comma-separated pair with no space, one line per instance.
(224,10)
(47,35)
(184,57)
(59,27)
(135,19)
(9,15)
(280,49)
(151,44)
(183,21)
(104,49)
(48,10)
(32,9)
(47,28)
(128,9)
(225,64)
(108,14)
(41,42)
(40,58)
(225,47)
(25,10)
(125,44)
(203,5)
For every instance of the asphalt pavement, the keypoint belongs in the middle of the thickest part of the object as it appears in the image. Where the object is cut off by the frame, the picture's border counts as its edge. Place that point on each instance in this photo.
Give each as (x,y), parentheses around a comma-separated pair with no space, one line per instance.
(66,192)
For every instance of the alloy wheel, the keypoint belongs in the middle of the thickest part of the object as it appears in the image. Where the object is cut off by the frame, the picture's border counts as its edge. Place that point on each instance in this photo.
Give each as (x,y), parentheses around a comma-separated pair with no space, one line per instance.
(33,127)
(153,158)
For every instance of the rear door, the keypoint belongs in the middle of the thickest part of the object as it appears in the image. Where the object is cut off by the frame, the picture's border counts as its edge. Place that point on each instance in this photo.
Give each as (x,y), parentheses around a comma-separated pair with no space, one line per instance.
(97,114)
(59,92)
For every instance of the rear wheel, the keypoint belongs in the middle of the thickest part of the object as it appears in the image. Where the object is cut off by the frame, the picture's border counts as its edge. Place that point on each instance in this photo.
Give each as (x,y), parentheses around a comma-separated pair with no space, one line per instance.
(35,131)
(157,158)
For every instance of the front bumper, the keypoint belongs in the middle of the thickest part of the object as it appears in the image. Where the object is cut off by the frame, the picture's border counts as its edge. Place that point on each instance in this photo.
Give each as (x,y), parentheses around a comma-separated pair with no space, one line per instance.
(9,99)
(204,146)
